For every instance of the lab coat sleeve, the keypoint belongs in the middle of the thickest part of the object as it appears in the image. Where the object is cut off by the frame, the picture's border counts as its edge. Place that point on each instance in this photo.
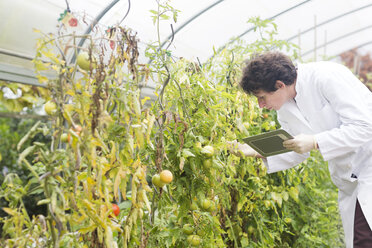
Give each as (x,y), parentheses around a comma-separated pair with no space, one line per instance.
(286,160)
(351,100)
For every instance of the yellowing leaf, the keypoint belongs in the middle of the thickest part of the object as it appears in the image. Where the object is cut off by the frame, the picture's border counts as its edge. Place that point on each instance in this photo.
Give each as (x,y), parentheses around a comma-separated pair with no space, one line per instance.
(60,179)
(117,184)
(91,181)
(40,66)
(88,229)
(109,240)
(10,211)
(146,200)
(82,176)
(70,92)
(42,79)
(182,163)
(126,56)
(113,152)
(144,100)
(29,98)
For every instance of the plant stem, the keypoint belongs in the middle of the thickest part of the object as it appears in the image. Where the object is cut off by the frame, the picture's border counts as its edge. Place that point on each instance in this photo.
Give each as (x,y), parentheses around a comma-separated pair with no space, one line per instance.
(232,231)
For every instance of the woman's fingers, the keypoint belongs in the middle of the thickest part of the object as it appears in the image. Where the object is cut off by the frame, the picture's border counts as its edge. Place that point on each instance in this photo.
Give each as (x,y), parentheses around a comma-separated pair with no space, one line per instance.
(289,144)
(233,147)
(232,144)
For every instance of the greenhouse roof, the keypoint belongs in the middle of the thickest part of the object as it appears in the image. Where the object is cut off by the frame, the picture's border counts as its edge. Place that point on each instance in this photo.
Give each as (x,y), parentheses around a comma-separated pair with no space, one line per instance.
(319,27)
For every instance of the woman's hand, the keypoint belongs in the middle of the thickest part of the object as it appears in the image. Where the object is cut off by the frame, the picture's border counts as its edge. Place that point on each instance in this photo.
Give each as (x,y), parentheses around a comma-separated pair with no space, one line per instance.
(242,150)
(301,143)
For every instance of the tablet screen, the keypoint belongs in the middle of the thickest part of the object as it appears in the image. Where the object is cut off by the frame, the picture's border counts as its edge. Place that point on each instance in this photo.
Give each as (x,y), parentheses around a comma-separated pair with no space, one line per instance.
(270,143)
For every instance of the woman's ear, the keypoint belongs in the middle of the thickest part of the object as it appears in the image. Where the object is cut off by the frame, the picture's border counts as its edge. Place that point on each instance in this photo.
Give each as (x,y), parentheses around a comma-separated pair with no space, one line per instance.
(279,84)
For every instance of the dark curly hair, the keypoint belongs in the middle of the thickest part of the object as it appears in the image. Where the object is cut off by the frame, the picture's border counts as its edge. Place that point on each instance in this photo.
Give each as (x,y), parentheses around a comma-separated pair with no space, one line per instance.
(263,70)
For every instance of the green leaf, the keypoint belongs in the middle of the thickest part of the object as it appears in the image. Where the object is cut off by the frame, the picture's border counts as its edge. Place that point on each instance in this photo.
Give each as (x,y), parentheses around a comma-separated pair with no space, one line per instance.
(293,192)
(186,153)
(164,17)
(277,198)
(44,201)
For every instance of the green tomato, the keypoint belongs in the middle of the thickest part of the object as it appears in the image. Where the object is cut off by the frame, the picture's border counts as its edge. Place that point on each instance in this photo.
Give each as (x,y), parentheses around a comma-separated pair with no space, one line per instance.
(198,146)
(207,163)
(250,229)
(287,220)
(83,61)
(201,231)
(206,204)
(193,206)
(156,181)
(212,207)
(254,115)
(194,240)
(64,138)
(188,229)
(208,151)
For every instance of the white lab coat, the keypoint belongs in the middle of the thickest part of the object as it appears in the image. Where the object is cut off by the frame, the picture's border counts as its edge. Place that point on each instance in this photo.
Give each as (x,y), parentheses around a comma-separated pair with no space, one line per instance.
(332,104)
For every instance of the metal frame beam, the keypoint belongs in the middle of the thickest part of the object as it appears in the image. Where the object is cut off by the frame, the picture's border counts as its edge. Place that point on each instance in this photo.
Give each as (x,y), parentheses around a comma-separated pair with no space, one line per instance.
(15,54)
(329,20)
(190,20)
(336,39)
(252,28)
(92,25)
(186,23)
(23,116)
(20,75)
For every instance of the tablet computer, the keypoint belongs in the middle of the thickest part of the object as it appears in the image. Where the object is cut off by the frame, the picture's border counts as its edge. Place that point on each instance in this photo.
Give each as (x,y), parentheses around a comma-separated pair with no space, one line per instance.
(270,143)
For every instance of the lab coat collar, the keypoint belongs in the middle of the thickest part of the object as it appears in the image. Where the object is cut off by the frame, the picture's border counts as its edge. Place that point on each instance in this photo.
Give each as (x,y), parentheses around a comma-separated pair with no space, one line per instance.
(298,84)
(292,105)
(291,108)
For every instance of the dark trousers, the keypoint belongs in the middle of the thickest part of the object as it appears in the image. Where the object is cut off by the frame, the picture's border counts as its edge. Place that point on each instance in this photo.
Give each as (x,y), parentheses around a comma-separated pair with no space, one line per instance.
(362,231)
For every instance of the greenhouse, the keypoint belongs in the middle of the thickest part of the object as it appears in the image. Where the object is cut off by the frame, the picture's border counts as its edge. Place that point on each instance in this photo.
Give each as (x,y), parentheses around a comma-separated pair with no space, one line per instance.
(174,123)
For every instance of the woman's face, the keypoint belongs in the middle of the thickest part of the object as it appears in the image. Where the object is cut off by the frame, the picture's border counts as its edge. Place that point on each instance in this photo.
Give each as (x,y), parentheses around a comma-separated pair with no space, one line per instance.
(276,99)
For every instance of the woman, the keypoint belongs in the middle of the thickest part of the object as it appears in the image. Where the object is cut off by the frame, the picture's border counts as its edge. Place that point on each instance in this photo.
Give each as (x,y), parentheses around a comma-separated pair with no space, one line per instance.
(324,106)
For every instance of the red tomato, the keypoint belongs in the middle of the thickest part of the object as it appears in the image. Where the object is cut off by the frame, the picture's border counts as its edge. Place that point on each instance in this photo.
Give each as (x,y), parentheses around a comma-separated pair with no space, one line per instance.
(115,209)
(112,44)
(73,22)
